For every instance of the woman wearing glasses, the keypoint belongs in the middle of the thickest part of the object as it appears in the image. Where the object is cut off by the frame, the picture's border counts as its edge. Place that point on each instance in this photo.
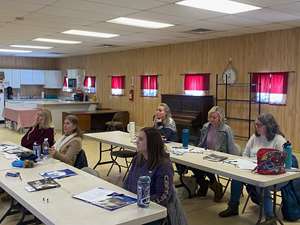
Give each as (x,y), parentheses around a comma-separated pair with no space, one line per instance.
(267,135)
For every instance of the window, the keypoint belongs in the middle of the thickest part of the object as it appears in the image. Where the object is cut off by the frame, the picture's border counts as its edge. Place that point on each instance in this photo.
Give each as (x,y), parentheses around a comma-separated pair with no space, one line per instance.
(270,88)
(196,84)
(149,85)
(66,85)
(89,84)
(117,85)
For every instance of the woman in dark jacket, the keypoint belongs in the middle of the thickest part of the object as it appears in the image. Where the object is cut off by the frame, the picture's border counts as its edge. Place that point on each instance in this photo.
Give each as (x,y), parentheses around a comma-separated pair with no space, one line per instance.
(40,130)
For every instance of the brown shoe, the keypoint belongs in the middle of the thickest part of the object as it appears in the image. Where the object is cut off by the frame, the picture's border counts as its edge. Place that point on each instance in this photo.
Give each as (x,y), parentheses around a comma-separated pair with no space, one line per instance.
(218,189)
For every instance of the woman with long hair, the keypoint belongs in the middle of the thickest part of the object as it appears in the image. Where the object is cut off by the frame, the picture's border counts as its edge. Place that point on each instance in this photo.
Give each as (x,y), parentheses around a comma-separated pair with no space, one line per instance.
(69,145)
(40,130)
(267,135)
(152,160)
(164,122)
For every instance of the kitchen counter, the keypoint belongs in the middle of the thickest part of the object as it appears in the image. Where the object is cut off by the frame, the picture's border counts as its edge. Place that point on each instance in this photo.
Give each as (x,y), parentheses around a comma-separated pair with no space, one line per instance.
(51,103)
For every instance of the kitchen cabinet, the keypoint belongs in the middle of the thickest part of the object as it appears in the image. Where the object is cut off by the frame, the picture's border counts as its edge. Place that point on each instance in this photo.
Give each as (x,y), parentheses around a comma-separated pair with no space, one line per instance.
(26,77)
(38,77)
(53,79)
(12,78)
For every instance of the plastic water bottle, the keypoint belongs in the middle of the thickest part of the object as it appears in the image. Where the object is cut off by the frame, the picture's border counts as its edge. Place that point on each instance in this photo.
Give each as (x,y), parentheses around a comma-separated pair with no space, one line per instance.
(45,148)
(37,151)
(143,191)
(185,138)
(287,147)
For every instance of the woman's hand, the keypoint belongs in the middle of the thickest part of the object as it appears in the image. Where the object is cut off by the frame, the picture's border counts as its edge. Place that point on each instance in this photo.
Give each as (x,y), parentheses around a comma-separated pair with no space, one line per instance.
(52,151)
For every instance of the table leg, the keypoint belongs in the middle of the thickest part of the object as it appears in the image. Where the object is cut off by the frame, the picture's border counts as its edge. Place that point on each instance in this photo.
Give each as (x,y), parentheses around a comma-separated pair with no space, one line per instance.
(100,155)
(261,205)
(274,205)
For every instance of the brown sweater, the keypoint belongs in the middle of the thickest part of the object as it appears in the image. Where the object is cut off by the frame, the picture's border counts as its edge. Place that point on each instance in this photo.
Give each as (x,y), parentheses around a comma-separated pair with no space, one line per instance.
(69,151)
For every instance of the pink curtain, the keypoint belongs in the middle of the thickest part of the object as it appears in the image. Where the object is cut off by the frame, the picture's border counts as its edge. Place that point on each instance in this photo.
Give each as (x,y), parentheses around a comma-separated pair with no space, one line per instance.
(89,81)
(149,82)
(118,82)
(275,83)
(65,82)
(279,83)
(196,82)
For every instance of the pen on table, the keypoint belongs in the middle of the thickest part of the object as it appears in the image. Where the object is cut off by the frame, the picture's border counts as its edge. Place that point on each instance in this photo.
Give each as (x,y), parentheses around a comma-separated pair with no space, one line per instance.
(20,176)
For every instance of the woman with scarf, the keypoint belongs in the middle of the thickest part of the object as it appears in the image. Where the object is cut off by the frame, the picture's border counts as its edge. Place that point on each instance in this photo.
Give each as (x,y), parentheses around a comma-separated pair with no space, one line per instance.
(69,145)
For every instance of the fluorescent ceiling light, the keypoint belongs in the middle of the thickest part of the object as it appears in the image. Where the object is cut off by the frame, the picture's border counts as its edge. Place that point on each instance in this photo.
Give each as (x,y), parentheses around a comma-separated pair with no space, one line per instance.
(90,33)
(139,23)
(14,51)
(223,6)
(57,41)
(31,46)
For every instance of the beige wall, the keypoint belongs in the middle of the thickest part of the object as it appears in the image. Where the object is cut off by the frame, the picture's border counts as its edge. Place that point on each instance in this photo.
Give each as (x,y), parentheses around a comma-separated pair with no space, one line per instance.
(270,51)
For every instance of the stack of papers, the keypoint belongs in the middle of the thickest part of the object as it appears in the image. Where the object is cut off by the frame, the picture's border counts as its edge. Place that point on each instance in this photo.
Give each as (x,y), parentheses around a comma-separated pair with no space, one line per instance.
(106,199)
(10,149)
(215,158)
(43,184)
(58,174)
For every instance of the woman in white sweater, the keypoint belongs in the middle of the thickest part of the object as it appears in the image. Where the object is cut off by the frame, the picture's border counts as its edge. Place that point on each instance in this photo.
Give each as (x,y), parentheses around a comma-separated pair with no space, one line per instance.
(267,135)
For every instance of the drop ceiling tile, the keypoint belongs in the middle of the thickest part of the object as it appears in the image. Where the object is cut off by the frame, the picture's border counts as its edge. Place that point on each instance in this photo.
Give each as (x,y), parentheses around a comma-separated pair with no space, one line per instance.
(237,20)
(133,4)
(206,24)
(292,8)
(269,15)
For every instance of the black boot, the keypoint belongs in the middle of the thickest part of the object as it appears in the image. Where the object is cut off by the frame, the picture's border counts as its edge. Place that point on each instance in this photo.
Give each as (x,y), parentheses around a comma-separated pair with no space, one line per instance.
(230,211)
(203,188)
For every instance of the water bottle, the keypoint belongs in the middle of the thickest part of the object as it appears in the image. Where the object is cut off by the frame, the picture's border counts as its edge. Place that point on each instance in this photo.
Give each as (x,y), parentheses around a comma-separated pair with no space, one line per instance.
(37,151)
(287,147)
(185,138)
(45,148)
(143,191)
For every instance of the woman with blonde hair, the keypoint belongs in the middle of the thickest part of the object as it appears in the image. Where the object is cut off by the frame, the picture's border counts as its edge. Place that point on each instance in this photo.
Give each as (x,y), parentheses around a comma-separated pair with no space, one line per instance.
(40,130)
(164,122)
(214,135)
(69,145)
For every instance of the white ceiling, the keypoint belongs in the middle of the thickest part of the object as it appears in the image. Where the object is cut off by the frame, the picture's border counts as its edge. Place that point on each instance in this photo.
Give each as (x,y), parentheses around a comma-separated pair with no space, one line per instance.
(48,18)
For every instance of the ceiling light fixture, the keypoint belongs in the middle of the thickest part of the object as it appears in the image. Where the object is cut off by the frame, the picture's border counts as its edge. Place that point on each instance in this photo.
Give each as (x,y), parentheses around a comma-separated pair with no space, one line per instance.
(57,41)
(140,23)
(90,33)
(223,6)
(31,46)
(14,51)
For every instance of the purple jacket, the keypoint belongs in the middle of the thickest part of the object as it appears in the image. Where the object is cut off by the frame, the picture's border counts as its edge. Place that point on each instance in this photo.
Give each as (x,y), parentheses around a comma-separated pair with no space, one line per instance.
(161,188)
(34,134)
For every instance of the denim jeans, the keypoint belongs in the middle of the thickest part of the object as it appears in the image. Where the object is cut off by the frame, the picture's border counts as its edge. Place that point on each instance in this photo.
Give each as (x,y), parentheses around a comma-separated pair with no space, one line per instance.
(235,195)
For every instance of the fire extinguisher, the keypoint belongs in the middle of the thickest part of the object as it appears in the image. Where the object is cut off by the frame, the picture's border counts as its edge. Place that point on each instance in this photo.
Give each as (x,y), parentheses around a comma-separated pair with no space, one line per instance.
(131,95)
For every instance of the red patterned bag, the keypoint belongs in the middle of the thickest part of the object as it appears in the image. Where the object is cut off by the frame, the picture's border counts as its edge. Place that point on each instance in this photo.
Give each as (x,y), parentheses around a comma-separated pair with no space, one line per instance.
(270,161)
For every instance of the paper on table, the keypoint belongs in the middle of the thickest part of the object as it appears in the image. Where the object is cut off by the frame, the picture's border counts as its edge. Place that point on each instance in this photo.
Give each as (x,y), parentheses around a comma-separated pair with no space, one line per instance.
(94,195)
(10,156)
(243,164)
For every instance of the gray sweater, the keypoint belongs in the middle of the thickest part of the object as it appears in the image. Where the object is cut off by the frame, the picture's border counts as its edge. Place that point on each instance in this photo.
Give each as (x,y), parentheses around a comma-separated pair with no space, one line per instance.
(224,139)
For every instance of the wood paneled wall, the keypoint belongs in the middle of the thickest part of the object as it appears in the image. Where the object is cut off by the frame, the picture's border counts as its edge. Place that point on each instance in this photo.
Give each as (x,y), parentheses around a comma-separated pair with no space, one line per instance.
(11,62)
(269,51)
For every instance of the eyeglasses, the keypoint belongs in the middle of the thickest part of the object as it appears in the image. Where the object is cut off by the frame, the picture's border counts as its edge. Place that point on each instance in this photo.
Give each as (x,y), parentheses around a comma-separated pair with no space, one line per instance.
(258,124)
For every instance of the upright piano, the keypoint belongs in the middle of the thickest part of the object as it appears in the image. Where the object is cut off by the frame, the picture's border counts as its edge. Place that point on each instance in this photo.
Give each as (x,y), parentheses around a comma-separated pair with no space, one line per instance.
(189,112)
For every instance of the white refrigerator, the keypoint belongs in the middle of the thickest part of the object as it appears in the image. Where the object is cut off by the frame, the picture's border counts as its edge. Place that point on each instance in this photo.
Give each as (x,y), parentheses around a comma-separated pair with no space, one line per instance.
(1,101)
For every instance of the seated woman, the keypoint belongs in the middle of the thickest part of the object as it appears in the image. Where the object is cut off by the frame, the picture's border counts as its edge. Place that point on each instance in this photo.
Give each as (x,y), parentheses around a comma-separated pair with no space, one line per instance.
(215,135)
(152,160)
(164,123)
(40,130)
(69,145)
(267,135)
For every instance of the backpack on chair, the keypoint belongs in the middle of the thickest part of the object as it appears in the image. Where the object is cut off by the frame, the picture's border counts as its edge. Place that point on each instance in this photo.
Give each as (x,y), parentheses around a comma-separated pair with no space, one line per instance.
(291,197)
